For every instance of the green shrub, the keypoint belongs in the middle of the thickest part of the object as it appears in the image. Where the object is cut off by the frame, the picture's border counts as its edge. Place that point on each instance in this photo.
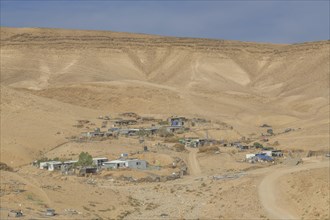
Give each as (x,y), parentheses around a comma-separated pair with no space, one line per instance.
(257,145)
(85,159)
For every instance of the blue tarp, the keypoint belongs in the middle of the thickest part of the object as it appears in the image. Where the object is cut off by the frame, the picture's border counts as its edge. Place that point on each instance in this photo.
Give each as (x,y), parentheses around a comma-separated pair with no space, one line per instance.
(264,157)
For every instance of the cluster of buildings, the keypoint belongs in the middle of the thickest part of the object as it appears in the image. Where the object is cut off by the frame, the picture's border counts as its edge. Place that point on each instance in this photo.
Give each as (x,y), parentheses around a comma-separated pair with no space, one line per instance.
(195,142)
(98,163)
(120,127)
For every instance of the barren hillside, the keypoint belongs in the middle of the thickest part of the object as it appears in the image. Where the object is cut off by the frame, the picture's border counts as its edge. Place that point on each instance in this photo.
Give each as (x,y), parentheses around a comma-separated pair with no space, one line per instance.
(59,76)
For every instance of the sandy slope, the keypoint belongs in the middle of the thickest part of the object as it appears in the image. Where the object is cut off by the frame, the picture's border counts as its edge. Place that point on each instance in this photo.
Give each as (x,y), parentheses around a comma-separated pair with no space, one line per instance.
(65,75)
(276,204)
(30,124)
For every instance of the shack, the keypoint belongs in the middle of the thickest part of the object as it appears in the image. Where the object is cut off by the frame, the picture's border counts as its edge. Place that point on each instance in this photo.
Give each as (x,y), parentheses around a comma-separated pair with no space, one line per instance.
(129,132)
(114,164)
(177,121)
(173,129)
(152,130)
(67,165)
(51,165)
(50,212)
(192,142)
(15,213)
(70,162)
(99,160)
(243,147)
(277,153)
(264,157)
(136,164)
(87,170)
(93,134)
(249,156)
(54,165)
(126,163)
(267,152)
(43,165)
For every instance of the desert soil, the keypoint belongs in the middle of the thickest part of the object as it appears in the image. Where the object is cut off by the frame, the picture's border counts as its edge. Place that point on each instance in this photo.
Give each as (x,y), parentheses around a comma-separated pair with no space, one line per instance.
(50,78)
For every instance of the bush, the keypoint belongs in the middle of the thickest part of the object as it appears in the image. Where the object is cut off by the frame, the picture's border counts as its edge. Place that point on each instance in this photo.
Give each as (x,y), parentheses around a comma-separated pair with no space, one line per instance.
(43,159)
(143,133)
(270,131)
(257,145)
(5,167)
(179,147)
(171,139)
(163,123)
(208,149)
(276,143)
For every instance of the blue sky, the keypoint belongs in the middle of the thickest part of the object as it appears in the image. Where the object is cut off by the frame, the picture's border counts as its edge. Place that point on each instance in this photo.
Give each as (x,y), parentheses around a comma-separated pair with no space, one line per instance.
(260,21)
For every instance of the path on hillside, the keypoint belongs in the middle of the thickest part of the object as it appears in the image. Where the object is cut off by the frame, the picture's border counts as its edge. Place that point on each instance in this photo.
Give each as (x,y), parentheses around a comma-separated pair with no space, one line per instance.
(193,164)
(268,193)
(33,183)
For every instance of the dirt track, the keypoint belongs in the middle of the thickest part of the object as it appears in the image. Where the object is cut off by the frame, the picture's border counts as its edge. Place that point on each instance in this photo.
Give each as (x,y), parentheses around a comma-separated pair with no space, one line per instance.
(194,167)
(269,197)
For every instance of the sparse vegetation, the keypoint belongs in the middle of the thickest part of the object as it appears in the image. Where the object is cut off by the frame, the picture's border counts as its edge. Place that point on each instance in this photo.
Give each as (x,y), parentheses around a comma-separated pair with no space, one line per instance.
(151,206)
(276,143)
(270,131)
(124,214)
(171,139)
(208,149)
(162,132)
(179,147)
(143,133)
(5,167)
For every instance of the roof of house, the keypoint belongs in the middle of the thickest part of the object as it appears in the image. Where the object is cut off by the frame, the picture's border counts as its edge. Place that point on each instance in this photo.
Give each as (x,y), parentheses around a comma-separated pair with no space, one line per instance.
(54,162)
(114,161)
(100,158)
(264,157)
(71,161)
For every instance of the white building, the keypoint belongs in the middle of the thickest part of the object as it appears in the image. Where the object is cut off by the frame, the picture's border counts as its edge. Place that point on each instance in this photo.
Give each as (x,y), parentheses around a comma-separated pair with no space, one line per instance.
(98,161)
(51,165)
(267,152)
(114,164)
(129,163)
(249,156)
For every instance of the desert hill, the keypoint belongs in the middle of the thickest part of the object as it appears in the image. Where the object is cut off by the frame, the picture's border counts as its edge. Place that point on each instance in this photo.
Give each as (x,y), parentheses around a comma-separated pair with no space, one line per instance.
(52,77)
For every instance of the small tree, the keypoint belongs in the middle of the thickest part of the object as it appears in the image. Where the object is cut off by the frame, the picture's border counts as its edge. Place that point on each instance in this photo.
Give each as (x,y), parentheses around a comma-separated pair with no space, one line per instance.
(85,159)
(257,145)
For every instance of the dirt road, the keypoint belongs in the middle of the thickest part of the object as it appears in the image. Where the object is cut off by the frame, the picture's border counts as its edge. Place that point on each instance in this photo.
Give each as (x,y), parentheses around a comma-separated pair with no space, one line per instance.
(193,164)
(269,196)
